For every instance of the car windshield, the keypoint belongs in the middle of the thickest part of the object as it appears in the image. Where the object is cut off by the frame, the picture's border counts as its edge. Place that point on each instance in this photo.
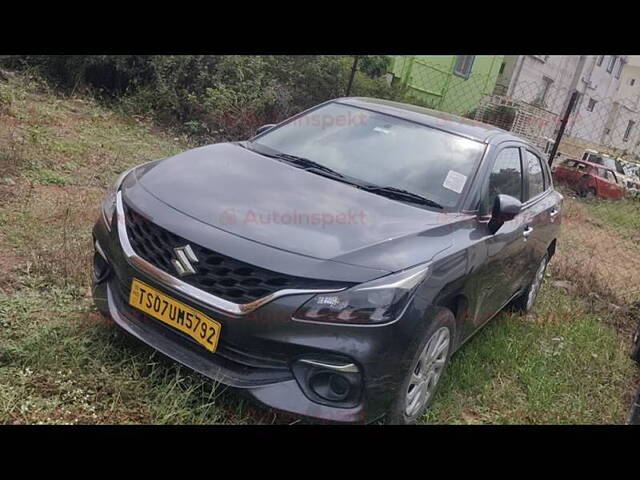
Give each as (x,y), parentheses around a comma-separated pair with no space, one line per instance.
(381,150)
(605,161)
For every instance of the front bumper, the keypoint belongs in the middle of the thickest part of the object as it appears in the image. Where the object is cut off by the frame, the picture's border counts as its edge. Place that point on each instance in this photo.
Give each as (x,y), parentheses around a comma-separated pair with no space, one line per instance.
(260,352)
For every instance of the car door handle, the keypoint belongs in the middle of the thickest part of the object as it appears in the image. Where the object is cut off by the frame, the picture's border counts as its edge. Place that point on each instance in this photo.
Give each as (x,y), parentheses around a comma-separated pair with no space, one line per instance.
(527,231)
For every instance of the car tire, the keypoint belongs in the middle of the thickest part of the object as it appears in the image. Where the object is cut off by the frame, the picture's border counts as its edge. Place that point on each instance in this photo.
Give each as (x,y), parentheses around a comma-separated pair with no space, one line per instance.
(419,386)
(525,302)
(635,351)
(583,189)
(588,193)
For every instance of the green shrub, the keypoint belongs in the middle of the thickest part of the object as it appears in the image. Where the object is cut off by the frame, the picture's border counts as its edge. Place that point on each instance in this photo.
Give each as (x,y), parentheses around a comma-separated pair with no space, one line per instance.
(211,97)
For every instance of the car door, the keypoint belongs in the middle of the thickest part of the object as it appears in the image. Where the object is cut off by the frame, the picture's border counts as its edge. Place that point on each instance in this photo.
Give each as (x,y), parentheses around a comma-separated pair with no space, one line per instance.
(565,171)
(614,190)
(608,183)
(619,185)
(538,211)
(497,258)
(574,172)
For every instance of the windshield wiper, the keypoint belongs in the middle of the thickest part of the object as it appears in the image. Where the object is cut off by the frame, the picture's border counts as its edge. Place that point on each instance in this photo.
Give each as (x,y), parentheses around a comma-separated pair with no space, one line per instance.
(317,168)
(398,193)
(307,164)
(302,162)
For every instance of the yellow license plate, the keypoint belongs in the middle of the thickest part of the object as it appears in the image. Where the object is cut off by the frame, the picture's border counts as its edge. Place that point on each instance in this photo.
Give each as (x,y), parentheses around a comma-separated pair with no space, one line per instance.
(197,325)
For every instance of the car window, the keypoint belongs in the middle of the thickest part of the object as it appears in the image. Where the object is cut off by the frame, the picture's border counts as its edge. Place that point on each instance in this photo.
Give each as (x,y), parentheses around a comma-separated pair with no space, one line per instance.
(536,177)
(506,176)
(612,177)
(381,149)
(573,165)
(590,157)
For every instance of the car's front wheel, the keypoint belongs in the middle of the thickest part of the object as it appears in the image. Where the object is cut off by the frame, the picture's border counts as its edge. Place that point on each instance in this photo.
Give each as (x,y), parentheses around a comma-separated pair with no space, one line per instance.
(526,301)
(421,380)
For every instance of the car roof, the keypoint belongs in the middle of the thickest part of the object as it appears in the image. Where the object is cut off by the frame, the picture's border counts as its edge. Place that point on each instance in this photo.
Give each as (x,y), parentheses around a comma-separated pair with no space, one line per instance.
(591,164)
(603,155)
(472,129)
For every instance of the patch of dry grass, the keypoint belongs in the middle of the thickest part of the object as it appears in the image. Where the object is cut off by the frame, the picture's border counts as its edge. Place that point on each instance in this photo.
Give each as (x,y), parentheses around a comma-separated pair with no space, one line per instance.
(595,258)
(57,155)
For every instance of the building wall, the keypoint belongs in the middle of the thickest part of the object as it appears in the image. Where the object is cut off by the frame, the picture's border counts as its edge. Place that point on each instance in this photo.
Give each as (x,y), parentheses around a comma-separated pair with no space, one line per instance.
(547,81)
(505,73)
(627,109)
(430,80)
(628,92)
(601,86)
(524,79)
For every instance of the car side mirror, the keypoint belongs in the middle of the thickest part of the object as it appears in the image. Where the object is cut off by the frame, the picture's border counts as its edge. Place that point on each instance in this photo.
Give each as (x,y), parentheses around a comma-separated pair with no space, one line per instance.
(264,128)
(505,208)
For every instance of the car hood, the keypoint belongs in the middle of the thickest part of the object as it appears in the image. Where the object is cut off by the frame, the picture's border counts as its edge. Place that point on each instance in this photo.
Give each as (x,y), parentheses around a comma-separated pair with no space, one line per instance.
(273,203)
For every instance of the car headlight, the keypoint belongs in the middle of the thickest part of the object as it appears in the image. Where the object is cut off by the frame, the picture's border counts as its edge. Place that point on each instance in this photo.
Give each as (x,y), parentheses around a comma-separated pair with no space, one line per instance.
(377,301)
(109,201)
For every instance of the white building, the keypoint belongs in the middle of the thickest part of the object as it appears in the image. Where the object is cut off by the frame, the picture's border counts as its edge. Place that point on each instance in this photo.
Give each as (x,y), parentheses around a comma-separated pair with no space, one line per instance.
(541,80)
(622,130)
(547,82)
(598,86)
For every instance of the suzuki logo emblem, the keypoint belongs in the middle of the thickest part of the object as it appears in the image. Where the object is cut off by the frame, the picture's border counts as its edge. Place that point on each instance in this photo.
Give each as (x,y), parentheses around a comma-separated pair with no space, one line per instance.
(183,260)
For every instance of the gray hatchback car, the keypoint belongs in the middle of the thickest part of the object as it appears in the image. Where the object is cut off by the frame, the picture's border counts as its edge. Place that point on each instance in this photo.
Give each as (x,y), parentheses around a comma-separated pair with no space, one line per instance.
(332,264)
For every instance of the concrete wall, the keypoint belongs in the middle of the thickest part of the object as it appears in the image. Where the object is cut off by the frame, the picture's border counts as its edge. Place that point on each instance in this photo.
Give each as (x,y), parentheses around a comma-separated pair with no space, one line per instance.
(600,85)
(523,77)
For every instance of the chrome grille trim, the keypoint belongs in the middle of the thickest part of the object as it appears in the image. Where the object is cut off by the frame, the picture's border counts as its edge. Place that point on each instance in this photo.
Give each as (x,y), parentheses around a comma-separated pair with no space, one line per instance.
(172,282)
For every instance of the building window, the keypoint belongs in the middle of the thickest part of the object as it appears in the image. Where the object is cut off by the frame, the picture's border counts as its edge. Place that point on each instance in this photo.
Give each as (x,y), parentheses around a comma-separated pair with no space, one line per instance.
(501,68)
(612,63)
(632,82)
(600,59)
(627,132)
(620,67)
(591,105)
(542,96)
(463,65)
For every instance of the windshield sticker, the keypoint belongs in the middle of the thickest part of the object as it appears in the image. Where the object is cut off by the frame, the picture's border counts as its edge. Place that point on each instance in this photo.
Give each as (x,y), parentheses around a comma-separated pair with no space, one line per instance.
(455,181)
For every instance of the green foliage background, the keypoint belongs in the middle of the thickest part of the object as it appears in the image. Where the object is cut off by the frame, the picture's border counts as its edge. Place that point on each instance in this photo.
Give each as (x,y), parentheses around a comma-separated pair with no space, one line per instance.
(211,97)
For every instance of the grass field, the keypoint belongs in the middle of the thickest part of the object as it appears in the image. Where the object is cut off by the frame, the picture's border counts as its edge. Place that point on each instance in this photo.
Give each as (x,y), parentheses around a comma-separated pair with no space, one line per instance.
(61,362)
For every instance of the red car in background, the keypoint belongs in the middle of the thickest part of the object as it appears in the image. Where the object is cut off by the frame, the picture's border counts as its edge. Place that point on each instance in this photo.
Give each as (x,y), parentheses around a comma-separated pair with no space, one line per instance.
(589,179)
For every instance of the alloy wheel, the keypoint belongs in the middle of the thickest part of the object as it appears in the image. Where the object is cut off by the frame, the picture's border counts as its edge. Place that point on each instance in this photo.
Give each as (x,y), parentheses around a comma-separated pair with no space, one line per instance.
(427,371)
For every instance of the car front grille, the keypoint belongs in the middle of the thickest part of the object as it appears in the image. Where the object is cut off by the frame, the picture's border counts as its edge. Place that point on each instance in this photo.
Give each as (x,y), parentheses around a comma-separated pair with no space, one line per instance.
(223,276)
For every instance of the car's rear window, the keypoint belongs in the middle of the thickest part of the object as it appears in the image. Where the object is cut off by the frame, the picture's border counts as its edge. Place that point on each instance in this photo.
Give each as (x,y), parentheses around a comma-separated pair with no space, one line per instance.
(573,165)
(382,150)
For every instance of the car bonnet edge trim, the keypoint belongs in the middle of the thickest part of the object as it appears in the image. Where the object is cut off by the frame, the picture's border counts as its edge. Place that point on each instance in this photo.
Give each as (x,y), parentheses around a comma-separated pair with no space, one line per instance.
(208,299)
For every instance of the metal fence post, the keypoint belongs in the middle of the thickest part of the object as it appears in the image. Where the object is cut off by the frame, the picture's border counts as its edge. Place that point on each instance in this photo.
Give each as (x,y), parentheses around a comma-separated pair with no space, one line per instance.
(353,74)
(563,125)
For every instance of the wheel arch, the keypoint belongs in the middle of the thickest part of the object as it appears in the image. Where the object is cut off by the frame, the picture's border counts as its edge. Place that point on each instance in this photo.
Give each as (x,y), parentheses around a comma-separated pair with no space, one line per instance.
(551,249)
(458,305)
